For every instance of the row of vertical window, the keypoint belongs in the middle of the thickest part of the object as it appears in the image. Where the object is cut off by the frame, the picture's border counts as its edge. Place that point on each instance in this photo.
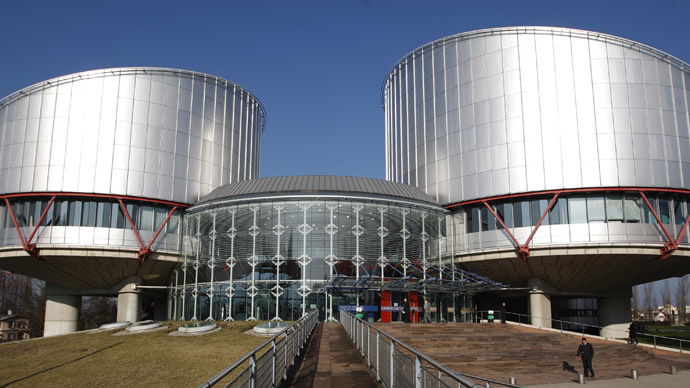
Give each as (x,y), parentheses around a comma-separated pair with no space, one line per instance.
(578,209)
(98,213)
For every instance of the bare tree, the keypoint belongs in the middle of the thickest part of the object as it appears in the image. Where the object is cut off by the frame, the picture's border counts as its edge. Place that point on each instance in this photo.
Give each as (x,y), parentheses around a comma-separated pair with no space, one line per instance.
(635,303)
(25,297)
(666,300)
(649,301)
(97,310)
(682,297)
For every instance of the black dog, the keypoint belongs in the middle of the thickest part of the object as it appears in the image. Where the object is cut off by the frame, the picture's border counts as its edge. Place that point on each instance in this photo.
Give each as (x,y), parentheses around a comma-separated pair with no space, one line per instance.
(568,367)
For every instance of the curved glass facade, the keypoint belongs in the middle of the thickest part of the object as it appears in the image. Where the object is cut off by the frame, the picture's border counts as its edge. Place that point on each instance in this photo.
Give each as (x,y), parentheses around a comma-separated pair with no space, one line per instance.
(252,259)
(576,217)
(522,109)
(89,221)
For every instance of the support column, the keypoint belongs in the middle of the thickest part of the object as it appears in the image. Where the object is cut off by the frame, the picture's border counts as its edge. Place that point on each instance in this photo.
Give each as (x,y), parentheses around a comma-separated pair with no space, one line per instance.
(539,303)
(62,311)
(128,301)
(614,316)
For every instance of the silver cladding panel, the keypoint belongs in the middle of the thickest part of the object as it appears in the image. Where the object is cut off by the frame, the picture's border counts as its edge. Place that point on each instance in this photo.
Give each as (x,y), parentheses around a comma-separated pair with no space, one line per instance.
(145,132)
(511,110)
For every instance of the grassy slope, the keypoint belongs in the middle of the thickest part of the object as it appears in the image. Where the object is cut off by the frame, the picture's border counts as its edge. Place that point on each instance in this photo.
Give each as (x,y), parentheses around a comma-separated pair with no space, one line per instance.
(141,360)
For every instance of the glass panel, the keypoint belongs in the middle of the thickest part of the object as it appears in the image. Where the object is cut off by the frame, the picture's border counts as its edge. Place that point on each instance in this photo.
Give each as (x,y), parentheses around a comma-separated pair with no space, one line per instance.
(103,214)
(89,213)
(538,208)
(117,217)
(679,212)
(505,211)
(133,211)
(473,220)
(146,221)
(614,207)
(648,216)
(596,210)
(74,218)
(665,210)
(632,209)
(160,214)
(577,210)
(488,219)
(559,212)
(174,222)
(60,213)
(521,214)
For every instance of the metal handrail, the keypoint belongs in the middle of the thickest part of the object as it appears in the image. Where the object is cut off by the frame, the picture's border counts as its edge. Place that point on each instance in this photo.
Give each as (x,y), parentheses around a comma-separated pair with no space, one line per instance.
(302,329)
(356,328)
(583,325)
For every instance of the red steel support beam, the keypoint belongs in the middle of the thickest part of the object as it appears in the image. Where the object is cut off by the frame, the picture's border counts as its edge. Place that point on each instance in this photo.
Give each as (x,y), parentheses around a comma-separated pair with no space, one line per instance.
(500,221)
(665,255)
(670,245)
(14,219)
(523,249)
(144,253)
(548,209)
(131,223)
(28,246)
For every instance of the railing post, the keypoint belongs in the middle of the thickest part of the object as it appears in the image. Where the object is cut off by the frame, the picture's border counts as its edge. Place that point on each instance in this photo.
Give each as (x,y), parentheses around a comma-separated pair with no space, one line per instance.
(392,365)
(275,363)
(285,352)
(252,371)
(361,334)
(378,351)
(369,346)
(417,372)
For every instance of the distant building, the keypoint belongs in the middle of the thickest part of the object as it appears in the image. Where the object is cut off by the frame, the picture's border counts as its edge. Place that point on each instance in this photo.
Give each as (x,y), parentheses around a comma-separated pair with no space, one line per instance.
(13,327)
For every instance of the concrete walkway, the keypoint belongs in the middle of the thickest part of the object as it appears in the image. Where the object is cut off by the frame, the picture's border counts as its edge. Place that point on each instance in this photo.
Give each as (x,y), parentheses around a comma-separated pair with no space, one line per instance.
(331,360)
(663,380)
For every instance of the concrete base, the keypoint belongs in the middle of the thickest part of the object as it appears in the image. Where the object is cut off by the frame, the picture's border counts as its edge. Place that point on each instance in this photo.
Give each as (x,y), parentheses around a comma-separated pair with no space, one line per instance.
(62,311)
(614,316)
(540,303)
(128,301)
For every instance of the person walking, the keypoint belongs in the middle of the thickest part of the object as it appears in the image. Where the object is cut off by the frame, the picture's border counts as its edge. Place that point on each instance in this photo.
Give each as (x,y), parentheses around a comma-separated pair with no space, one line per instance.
(586,351)
(633,333)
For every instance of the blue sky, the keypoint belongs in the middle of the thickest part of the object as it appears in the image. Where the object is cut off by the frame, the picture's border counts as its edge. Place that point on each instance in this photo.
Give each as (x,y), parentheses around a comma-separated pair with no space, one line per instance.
(317,66)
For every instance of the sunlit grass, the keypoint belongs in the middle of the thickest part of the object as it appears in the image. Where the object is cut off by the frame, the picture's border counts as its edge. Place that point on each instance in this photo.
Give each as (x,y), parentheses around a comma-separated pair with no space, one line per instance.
(102,359)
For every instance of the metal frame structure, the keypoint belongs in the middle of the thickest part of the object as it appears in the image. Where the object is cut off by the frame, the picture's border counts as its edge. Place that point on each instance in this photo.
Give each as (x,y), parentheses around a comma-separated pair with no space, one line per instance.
(523,250)
(396,364)
(34,251)
(270,368)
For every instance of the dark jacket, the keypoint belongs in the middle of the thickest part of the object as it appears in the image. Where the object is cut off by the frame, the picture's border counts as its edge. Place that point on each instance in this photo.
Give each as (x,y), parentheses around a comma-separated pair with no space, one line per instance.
(587,351)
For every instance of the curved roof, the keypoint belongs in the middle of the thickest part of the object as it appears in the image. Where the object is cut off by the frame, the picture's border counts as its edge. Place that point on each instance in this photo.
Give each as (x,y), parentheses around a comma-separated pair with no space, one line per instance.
(123,70)
(317,185)
(542,30)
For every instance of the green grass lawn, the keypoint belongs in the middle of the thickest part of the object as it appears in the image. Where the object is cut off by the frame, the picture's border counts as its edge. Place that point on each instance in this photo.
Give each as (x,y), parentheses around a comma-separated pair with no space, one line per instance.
(101,359)
(680,332)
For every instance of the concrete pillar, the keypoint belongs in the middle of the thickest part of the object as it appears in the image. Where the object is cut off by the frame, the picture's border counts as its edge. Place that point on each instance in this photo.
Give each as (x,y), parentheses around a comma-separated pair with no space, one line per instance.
(128,301)
(539,303)
(62,311)
(614,316)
